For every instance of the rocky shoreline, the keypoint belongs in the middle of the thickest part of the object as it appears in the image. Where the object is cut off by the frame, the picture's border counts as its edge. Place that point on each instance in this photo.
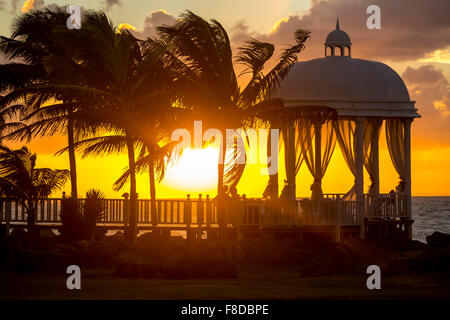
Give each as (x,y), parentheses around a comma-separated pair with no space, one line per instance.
(177,258)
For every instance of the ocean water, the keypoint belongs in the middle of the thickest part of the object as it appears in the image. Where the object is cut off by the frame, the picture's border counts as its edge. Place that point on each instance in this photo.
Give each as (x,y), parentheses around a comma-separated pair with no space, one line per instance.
(430,214)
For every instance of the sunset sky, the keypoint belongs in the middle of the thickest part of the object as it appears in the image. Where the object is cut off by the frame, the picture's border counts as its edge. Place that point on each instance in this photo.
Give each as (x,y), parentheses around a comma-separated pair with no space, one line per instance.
(414,40)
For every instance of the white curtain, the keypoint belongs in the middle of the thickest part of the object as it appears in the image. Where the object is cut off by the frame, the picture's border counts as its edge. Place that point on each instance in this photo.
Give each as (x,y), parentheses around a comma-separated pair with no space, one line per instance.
(372,130)
(345,135)
(395,135)
(328,143)
(303,139)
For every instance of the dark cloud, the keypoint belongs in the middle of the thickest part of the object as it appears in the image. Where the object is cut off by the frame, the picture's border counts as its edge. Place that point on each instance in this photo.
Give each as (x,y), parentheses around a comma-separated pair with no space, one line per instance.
(109,4)
(410,29)
(431,90)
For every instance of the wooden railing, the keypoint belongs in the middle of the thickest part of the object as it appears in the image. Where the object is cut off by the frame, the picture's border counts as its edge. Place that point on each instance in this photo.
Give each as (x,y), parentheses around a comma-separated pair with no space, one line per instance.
(200,212)
(173,211)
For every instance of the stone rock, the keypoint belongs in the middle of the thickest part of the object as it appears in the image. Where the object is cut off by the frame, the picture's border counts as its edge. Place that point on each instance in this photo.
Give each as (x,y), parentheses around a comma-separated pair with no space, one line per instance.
(134,266)
(339,260)
(118,236)
(146,237)
(215,261)
(439,239)
(18,238)
(47,233)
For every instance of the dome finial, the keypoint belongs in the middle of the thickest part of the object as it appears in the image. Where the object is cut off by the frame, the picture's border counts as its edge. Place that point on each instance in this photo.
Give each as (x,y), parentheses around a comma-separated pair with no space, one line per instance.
(337,24)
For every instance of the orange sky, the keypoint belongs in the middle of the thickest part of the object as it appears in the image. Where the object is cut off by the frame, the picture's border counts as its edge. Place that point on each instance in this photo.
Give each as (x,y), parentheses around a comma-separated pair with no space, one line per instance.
(413,40)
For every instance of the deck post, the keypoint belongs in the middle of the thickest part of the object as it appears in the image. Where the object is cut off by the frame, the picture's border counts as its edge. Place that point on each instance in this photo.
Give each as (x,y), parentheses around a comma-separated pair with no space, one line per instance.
(187,216)
(208,211)
(359,177)
(200,212)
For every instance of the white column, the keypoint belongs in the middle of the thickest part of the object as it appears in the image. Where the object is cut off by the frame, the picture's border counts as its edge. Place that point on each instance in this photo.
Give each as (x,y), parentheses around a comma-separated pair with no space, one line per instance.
(376,168)
(359,157)
(317,185)
(407,181)
(291,161)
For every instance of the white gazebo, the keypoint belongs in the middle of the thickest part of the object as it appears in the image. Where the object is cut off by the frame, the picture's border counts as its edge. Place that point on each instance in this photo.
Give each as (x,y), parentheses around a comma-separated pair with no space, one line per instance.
(362,94)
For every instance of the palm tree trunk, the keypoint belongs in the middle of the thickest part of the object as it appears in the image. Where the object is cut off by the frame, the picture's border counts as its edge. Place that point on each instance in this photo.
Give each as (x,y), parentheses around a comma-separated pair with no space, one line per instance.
(151,172)
(31,215)
(72,160)
(132,230)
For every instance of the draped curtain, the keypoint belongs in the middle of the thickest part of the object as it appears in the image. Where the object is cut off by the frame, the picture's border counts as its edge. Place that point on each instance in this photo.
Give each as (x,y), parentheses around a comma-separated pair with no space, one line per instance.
(328,144)
(372,130)
(395,135)
(345,134)
(303,138)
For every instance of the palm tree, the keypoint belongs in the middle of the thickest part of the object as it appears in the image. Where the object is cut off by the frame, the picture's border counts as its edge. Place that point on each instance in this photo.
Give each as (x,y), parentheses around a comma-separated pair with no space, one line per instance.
(34,39)
(124,103)
(200,52)
(21,181)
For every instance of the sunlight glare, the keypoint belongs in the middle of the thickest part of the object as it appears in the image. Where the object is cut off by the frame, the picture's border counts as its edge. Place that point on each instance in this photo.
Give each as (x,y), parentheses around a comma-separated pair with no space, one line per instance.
(195,171)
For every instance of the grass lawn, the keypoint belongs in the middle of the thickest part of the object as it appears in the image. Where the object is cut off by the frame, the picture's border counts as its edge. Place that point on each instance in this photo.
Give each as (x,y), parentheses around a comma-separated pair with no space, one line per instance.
(254,282)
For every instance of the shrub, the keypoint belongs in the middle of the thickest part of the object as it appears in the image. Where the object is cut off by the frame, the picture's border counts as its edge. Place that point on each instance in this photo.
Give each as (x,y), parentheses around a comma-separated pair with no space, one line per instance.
(79,222)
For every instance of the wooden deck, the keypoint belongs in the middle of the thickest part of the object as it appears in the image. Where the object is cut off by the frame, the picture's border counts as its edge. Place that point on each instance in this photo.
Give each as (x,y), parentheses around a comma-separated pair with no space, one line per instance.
(333,215)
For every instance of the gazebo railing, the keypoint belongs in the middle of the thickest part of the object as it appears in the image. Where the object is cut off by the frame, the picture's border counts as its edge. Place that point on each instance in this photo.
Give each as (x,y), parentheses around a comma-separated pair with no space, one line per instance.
(380,206)
(386,206)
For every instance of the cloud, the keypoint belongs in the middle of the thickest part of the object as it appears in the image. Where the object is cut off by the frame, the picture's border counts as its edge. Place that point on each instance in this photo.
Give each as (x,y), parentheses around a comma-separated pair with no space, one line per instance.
(156,18)
(2,5)
(109,4)
(125,26)
(410,29)
(32,4)
(431,90)
(14,5)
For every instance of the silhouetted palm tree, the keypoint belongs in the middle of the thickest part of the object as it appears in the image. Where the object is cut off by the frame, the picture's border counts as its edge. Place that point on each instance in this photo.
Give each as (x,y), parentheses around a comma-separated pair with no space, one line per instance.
(32,41)
(21,181)
(200,52)
(126,99)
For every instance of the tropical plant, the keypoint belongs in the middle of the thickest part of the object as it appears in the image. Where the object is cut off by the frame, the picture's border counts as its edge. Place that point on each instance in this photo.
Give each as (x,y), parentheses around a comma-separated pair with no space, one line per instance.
(21,181)
(94,211)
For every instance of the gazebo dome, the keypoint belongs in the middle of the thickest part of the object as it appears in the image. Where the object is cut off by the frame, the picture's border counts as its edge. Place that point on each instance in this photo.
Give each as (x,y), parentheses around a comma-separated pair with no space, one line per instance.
(354,87)
(338,37)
